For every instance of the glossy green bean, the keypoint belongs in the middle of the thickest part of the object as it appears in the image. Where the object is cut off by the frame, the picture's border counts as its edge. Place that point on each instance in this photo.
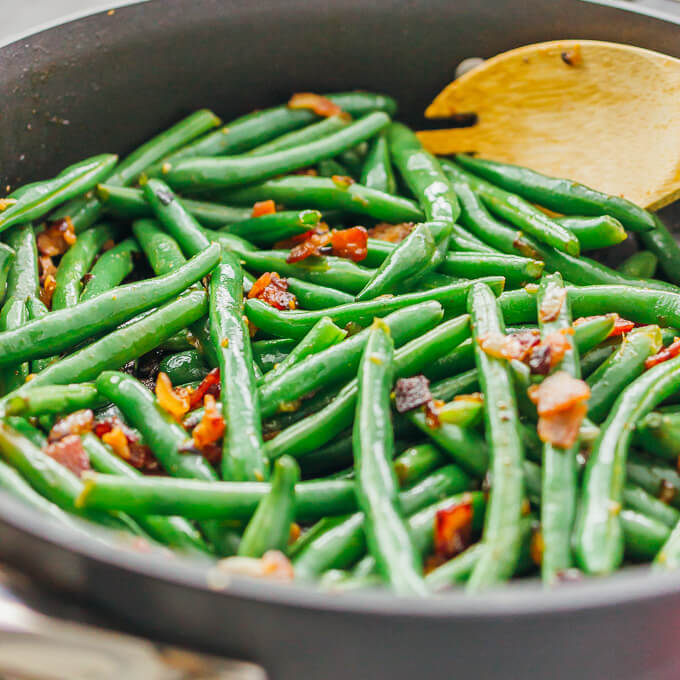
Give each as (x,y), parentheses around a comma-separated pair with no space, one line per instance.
(32,201)
(516,270)
(594,358)
(110,269)
(592,233)
(644,536)
(176,532)
(268,353)
(269,527)
(641,264)
(54,399)
(416,462)
(85,211)
(243,456)
(297,323)
(622,367)
(329,167)
(7,257)
(561,195)
(659,434)
(22,279)
(268,229)
(312,296)
(662,243)
(502,536)
(599,539)
(205,500)
(638,499)
(183,367)
(340,362)
(226,172)
(376,172)
(14,314)
(309,133)
(323,193)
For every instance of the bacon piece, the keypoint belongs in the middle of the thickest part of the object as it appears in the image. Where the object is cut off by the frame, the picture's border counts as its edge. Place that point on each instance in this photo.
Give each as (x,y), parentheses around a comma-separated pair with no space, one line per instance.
(561,429)
(512,346)
(47,290)
(314,245)
(264,208)
(176,403)
(453,530)
(431,411)
(410,393)
(548,354)
(552,304)
(664,354)
(77,422)
(273,290)
(392,233)
(621,325)
(558,392)
(70,453)
(351,244)
(211,427)
(46,267)
(117,440)
(57,237)
(209,385)
(113,431)
(321,106)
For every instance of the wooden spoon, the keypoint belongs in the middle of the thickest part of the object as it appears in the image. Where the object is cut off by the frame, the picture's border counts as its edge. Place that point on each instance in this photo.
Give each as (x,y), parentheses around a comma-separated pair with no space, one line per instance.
(605,114)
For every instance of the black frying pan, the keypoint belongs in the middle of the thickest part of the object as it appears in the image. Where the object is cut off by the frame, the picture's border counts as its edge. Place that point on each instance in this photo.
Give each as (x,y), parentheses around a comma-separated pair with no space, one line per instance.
(117,79)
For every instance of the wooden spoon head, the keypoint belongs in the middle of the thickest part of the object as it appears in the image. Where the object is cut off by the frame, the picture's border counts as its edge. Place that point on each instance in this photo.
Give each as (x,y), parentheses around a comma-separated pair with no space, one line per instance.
(605,114)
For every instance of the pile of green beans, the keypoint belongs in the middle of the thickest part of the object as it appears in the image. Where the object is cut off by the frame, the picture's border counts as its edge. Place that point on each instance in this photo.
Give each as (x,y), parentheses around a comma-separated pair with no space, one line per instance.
(191,356)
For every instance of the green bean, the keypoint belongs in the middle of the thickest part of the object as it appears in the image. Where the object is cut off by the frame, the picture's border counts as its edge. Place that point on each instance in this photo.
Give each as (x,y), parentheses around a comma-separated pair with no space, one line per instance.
(387,535)
(662,243)
(644,536)
(638,499)
(268,229)
(376,172)
(329,167)
(176,532)
(269,527)
(324,194)
(297,323)
(85,211)
(309,133)
(668,556)
(258,127)
(268,353)
(311,296)
(559,491)
(599,542)
(32,201)
(183,367)
(14,314)
(642,305)
(448,388)
(316,430)
(642,265)
(7,257)
(51,479)
(416,462)
(654,476)
(517,211)
(54,399)
(462,412)
(22,279)
(340,362)
(353,158)
(621,369)
(76,262)
(502,536)
(110,269)
(243,456)
(423,175)
(125,344)
(176,220)
(595,357)
(561,195)
(322,335)
(342,540)
(516,270)
(127,203)
(659,435)
(602,231)
(65,328)
(225,172)
(206,500)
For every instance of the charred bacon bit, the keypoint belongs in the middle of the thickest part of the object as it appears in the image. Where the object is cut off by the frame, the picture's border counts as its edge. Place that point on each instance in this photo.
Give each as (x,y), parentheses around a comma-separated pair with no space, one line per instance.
(342,181)
(550,352)
(47,290)
(273,290)
(315,244)
(410,393)
(264,208)
(211,427)
(77,422)
(57,237)
(70,453)
(321,106)
(453,530)
(117,440)
(209,385)
(132,451)
(351,244)
(431,411)
(512,346)
(558,392)
(552,304)
(46,267)
(573,56)
(392,233)
(561,429)
(175,403)
(664,354)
